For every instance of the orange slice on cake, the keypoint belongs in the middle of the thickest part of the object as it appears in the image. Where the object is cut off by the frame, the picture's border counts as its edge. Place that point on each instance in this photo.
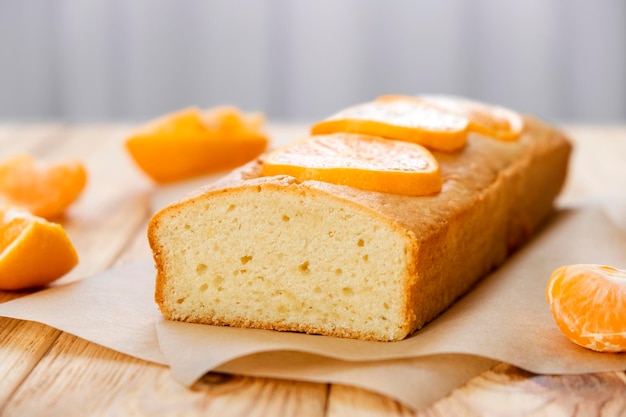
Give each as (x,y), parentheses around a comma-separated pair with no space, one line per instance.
(588,303)
(359,161)
(33,251)
(401,118)
(493,121)
(192,142)
(45,191)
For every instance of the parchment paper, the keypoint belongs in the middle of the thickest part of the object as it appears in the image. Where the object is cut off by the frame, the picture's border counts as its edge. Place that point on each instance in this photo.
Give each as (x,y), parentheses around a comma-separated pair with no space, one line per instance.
(504,318)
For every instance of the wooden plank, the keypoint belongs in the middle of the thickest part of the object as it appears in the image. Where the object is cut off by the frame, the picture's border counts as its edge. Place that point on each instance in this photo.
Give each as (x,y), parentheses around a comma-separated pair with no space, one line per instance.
(350,401)
(251,396)
(21,352)
(510,391)
(68,380)
(92,380)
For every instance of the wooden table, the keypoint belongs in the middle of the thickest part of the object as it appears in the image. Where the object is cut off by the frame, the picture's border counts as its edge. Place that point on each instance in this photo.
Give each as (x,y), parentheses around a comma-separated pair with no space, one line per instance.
(44,371)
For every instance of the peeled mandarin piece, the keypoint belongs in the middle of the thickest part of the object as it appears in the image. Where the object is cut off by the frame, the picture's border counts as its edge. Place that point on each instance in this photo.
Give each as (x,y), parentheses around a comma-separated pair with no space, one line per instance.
(33,251)
(588,303)
(494,121)
(401,118)
(359,161)
(44,191)
(190,143)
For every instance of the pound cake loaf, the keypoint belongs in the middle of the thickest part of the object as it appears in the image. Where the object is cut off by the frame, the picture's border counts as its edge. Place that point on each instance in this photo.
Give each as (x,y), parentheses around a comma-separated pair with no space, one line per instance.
(274,252)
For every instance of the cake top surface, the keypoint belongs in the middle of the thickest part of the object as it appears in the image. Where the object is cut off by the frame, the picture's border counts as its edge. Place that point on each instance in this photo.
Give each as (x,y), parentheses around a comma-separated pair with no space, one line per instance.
(465,174)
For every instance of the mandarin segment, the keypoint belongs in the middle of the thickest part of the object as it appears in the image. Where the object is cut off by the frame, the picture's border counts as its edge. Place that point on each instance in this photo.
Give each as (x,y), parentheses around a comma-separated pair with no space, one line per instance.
(359,161)
(400,118)
(33,251)
(45,191)
(191,142)
(588,303)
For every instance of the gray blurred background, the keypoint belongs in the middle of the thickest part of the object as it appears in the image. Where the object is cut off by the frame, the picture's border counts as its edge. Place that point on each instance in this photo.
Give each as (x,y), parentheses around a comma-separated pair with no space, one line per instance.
(299,60)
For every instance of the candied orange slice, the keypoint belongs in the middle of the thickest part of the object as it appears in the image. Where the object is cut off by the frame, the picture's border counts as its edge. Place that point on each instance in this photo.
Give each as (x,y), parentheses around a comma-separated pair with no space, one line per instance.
(44,191)
(191,142)
(402,118)
(493,121)
(33,251)
(359,161)
(588,303)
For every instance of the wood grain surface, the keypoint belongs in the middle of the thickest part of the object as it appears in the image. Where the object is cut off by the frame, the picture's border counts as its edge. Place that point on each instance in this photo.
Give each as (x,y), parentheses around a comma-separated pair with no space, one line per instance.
(46,372)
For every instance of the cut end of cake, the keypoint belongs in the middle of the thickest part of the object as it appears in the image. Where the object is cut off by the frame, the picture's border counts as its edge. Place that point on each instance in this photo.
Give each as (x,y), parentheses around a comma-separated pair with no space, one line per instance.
(284,258)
